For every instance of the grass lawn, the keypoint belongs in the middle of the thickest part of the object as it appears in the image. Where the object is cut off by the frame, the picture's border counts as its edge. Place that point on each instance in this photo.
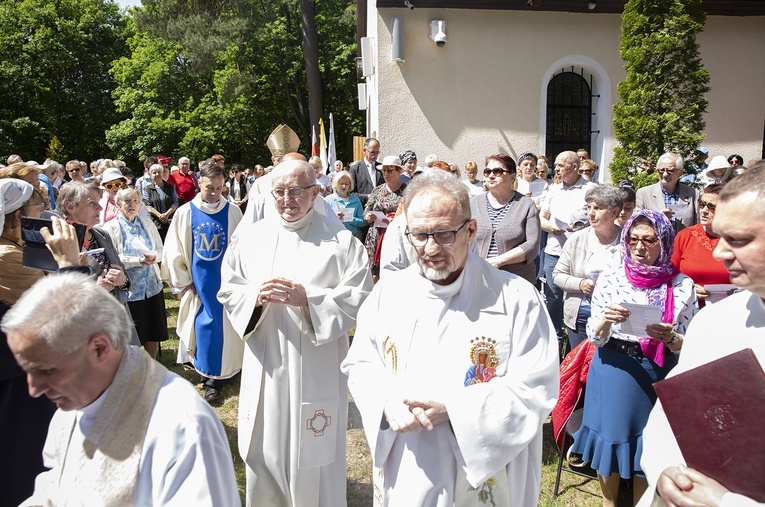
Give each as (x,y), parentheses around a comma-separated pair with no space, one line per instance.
(576,491)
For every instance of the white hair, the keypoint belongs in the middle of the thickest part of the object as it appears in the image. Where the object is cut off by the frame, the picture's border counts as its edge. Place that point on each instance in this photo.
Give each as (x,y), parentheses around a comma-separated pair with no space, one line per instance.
(66,310)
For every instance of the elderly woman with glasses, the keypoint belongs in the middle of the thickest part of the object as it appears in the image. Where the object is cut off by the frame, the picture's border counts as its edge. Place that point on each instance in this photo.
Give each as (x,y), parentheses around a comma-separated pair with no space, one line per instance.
(139,247)
(78,201)
(694,246)
(508,222)
(628,359)
(586,254)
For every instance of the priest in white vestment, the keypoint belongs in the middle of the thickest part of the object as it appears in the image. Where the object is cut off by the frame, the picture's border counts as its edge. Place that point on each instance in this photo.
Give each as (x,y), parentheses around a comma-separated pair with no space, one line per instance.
(454,386)
(739,221)
(127,431)
(292,284)
(199,235)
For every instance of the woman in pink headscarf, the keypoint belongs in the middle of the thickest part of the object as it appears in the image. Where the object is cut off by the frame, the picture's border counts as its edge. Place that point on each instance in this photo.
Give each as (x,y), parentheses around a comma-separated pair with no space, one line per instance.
(628,361)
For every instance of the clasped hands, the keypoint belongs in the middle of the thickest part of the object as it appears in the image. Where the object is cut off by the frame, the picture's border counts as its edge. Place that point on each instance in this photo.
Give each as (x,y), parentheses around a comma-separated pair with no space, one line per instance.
(685,487)
(284,291)
(411,414)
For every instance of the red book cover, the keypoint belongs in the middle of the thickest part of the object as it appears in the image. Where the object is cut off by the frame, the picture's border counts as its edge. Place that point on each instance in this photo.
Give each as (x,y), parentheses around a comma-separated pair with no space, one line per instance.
(717,412)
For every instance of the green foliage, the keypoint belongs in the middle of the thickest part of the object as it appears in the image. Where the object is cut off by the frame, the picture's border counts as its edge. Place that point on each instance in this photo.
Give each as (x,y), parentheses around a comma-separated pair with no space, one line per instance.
(206,76)
(662,98)
(56,150)
(54,79)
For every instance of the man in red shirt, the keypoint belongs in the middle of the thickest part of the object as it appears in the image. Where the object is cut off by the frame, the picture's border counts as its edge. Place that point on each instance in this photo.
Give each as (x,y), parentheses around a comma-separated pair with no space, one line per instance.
(185,182)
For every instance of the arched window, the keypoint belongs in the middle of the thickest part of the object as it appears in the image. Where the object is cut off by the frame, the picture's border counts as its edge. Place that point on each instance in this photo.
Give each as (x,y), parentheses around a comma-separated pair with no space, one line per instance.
(569,113)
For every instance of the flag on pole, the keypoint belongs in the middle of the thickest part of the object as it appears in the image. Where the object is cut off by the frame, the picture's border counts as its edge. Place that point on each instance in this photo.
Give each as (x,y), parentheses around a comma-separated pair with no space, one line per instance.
(314,142)
(322,145)
(332,149)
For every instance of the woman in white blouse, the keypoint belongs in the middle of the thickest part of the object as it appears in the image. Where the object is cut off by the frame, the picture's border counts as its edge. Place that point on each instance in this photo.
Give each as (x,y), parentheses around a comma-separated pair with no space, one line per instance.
(631,357)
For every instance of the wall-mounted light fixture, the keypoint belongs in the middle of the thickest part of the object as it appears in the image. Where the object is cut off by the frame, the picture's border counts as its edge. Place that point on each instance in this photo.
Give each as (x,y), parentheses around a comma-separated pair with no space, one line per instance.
(592,4)
(367,60)
(362,87)
(397,43)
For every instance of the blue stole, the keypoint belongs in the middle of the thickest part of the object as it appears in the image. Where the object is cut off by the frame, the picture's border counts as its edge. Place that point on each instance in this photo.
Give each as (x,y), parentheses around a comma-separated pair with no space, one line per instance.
(209,234)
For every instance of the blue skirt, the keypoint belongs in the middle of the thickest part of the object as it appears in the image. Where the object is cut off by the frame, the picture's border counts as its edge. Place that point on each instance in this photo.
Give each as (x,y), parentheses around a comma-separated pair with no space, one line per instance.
(618,399)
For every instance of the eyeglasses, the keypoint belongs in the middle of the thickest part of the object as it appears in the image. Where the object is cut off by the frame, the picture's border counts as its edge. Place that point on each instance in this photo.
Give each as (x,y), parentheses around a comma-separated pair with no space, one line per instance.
(707,205)
(497,171)
(73,170)
(372,152)
(116,184)
(666,170)
(390,170)
(40,206)
(293,192)
(586,171)
(648,243)
(443,238)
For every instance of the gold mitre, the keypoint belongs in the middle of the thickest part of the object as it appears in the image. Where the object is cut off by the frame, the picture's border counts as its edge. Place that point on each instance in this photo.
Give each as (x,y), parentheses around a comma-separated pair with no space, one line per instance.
(282,140)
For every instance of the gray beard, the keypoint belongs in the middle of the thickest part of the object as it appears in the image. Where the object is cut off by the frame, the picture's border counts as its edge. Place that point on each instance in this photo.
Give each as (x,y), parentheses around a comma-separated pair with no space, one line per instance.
(434,275)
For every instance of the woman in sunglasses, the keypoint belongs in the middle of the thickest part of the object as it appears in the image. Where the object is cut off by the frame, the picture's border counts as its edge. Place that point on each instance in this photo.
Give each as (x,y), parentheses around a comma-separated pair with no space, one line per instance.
(508,222)
(112,180)
(620,391)
(694,246)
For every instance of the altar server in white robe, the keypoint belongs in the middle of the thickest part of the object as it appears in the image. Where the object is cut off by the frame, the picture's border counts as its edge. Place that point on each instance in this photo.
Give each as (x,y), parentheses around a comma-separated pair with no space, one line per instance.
(199,235)
(454,386)
(292,285)
(127,431)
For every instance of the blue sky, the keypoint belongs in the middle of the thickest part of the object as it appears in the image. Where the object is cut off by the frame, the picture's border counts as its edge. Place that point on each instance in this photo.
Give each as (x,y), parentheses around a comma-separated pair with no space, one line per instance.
(128,3)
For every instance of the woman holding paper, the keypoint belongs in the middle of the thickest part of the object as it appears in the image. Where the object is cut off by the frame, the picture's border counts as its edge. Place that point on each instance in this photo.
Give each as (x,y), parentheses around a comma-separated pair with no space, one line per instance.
(344,203)
(694,246)
(586,254)
(381,208)
(139,245)
(640,311)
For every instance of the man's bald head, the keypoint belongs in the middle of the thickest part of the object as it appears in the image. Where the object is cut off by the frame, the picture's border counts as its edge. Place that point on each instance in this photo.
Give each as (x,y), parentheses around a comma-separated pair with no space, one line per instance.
(293,155)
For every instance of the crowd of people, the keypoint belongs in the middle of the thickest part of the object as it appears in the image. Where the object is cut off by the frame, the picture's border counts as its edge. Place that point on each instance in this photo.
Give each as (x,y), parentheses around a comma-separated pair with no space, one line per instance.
(507,278)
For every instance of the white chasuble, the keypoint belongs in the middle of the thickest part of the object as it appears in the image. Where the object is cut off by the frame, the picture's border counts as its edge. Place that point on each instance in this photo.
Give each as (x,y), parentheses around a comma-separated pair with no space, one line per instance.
(484,346)
(293,407)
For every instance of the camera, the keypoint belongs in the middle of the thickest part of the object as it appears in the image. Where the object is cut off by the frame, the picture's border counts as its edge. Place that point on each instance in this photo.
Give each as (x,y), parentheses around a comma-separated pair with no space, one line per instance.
(438,32)
(409,4)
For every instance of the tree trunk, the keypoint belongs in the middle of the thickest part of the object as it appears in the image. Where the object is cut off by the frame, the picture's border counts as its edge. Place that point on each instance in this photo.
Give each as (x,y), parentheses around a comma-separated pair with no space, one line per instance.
(309,42)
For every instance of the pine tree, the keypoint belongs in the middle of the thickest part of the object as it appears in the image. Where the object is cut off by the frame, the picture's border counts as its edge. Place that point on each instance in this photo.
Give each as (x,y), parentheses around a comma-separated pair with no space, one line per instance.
(662,102)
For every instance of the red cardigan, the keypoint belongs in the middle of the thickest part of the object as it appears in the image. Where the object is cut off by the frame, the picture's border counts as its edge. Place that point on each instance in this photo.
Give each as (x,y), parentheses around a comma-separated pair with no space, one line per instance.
(693,257)
(573,375)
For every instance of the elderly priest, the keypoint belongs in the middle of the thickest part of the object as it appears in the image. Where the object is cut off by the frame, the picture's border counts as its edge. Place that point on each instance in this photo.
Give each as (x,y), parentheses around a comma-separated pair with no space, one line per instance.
(291,285)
